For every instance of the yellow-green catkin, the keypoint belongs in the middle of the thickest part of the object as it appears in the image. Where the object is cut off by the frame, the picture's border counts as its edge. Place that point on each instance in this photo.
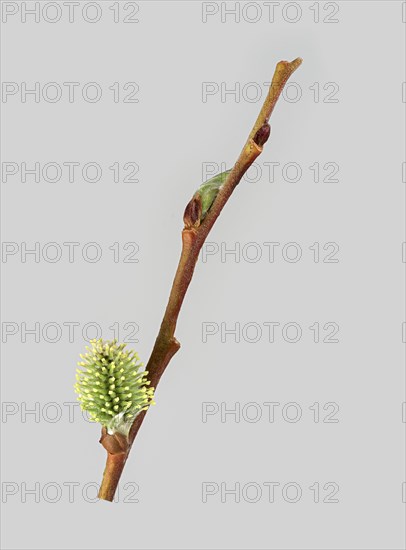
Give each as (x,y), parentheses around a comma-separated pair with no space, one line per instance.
(110,385)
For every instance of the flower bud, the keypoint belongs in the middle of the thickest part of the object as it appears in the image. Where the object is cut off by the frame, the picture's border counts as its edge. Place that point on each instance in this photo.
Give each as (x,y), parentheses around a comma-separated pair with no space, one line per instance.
(262,135)
(193,212)
(203,199)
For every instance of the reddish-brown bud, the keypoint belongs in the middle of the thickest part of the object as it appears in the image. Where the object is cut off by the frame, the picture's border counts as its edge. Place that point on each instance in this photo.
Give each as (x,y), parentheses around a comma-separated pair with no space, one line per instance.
(193,212)
(262,135)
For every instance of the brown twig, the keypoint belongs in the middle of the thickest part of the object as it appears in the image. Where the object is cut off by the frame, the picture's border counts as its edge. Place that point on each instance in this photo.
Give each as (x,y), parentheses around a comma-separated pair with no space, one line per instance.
(193,236)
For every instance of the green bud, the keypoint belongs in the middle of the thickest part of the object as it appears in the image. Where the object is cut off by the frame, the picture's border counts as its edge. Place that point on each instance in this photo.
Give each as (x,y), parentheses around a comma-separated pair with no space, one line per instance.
(209,189)
(112,400)
(203,199)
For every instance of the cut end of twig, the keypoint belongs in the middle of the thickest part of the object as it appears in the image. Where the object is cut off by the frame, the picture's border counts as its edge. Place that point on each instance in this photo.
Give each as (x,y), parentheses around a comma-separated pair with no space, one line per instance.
(111,477)
(293,65)
(296,62)
(262,136)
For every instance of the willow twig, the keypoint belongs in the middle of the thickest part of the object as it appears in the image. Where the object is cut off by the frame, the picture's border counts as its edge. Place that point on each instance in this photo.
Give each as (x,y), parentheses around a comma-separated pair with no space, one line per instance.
(193,236)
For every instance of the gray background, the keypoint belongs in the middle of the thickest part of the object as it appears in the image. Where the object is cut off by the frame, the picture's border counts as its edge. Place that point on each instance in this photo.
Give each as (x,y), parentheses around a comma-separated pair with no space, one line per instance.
(170,133)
